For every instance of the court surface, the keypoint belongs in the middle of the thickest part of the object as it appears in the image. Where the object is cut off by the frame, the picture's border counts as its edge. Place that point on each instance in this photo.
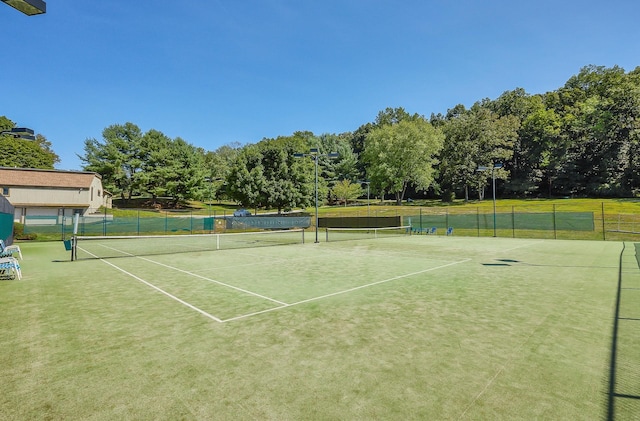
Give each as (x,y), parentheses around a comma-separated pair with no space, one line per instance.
(414,327)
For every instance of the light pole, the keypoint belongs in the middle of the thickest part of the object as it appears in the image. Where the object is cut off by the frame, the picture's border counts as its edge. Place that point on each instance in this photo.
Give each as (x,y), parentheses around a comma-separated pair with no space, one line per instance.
(210,180)
(28,7)
(367,183)
(493,182)
(315,154)
(20,133)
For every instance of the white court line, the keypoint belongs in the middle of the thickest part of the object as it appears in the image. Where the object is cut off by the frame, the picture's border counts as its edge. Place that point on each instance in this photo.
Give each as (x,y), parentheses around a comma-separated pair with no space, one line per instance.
(524,245)
(173,297)
(256,262)
(282,304)
(502,368)
(345,291)
(214,281)
(189,273)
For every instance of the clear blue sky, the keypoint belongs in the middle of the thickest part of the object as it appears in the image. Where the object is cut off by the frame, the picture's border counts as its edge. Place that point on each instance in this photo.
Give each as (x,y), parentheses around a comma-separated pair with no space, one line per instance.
(214,72)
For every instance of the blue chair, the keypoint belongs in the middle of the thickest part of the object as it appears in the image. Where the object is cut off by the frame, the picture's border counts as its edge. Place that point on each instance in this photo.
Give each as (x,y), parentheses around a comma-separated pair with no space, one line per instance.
(9,251)
(9,268)
(450,231)
(432,231)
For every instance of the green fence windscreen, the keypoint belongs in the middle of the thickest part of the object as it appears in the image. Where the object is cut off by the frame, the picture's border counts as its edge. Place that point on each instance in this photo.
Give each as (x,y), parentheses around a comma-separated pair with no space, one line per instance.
(360,222)
(6,227)
(570,221)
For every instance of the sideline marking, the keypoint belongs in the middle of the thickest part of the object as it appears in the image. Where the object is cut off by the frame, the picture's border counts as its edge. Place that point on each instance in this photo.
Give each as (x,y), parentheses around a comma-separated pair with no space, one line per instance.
(503,367)
(173,297)
(345,291)
(282,304)
(186,272)
(524,245)
(214,281)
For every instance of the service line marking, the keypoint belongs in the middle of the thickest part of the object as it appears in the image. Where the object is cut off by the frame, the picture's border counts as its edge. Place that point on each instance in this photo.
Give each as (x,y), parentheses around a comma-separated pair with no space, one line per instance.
(173,297)
(333,294)
(281,303)
(264,297)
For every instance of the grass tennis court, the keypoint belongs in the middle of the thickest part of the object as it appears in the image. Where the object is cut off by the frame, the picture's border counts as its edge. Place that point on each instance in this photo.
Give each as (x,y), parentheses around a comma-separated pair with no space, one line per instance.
(415,327)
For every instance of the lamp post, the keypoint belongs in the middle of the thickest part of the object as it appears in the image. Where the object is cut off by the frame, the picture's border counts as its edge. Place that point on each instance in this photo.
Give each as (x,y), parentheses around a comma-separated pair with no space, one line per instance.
(28,7)
(315,154)
(210,180)
(20,133)
(493,182)
(367,183)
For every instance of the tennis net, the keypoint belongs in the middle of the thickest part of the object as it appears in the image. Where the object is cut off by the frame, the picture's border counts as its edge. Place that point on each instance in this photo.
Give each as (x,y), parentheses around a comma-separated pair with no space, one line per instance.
(343,234)
(102,247)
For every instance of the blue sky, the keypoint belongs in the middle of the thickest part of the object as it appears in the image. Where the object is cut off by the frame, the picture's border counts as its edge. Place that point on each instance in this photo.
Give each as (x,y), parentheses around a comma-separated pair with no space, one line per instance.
(214,72)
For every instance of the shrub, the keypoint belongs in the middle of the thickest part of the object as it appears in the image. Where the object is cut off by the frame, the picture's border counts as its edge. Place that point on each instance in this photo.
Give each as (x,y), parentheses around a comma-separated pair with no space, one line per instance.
(18,232)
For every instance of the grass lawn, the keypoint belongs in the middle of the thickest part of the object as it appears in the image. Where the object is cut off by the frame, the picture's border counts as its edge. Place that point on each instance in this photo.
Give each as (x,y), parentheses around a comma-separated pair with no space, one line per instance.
(419,327)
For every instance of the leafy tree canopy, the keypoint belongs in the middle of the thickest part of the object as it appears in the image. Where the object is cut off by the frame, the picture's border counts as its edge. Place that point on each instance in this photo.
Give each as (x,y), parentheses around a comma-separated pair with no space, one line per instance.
(401,154)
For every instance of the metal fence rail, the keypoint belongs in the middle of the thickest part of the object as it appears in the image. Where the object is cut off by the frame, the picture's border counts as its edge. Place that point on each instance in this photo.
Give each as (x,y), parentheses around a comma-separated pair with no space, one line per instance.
(138,223)
(553,221)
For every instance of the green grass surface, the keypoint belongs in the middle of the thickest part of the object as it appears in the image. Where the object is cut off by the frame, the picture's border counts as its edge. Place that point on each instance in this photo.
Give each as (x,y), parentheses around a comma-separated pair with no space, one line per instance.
(420,327)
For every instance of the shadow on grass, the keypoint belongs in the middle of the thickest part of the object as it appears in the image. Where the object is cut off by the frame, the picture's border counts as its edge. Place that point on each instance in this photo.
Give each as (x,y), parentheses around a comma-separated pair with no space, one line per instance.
(511,262)
(613,395)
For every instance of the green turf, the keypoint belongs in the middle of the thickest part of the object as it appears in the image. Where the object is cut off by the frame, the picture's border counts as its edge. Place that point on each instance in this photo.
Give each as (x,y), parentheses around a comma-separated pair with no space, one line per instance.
(420,327)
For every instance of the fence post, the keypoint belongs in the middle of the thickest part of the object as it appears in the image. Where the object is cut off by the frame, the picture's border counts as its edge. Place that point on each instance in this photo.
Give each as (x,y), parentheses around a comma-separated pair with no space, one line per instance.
(513,221)
(138,222)
(604,232)
(555,234)
(478,219)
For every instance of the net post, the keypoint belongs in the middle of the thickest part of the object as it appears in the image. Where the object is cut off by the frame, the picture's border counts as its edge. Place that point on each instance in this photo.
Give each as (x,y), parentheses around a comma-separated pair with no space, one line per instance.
(74,253)
(76,219)
(302,235)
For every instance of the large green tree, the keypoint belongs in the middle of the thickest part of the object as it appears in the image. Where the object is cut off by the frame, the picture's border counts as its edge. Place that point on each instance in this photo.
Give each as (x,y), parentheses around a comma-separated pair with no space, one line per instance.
(402,154)
(600,109)
(133,163)
(475,138)
(218,164)
(266,175)
(117,158)
(186,171)
(345,166)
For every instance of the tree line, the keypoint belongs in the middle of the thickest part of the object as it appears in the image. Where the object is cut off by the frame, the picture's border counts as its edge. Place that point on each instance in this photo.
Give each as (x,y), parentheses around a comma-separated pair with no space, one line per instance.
(579,140)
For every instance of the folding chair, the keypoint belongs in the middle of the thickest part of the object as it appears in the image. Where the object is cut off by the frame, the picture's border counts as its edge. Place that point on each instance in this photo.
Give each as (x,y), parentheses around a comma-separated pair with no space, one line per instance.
(9,251)
(9,268)
(450,231)
(432,231)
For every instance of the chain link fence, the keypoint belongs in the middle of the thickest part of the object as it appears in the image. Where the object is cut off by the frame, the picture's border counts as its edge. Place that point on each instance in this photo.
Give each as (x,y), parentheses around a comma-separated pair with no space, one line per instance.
(552,221)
